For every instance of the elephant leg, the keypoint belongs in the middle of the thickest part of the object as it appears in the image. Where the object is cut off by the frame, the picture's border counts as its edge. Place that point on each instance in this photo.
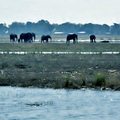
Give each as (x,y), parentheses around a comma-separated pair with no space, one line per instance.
(91,41)
(94,41)
(73,41)
(18,40)
(13,40)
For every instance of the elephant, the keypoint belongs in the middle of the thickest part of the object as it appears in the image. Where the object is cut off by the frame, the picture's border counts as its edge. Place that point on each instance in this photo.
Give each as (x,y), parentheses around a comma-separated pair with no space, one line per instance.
(13,37)
(33,36)
(27,37)
(92,38)
(21,37)
(45,37)
(105,41)
(73,37)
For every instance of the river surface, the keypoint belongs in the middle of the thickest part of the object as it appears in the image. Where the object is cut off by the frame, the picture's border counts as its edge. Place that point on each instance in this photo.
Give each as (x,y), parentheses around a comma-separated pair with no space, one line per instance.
(61,40)
(51,104)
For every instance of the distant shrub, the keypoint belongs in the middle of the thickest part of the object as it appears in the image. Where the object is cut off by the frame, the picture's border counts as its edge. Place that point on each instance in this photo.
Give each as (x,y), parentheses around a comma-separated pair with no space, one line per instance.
(100,80)
(3,65)
(70,84)
(84,82)
(68,81)
(20,65)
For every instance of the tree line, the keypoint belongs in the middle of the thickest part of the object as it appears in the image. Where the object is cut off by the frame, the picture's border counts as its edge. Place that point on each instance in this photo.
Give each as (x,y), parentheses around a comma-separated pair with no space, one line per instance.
(43,27)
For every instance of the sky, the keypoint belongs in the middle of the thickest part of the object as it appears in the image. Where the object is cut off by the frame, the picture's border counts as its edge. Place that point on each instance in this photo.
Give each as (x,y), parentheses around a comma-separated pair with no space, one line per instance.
(60,11)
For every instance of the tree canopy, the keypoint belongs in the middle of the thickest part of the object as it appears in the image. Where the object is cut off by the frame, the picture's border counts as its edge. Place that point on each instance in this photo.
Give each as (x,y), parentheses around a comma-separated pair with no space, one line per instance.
(43,27)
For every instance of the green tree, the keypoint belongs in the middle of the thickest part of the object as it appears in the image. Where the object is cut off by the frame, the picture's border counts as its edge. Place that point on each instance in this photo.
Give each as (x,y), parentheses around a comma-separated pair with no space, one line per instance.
(115,29)
(43,27)
(3,29)
(106,28)
(68,28)
(16,28)
(88,28)
(30,27)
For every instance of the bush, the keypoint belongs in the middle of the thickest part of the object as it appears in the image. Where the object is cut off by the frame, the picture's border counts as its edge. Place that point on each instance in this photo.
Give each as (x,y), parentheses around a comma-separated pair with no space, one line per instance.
(3,65)
(100,80)
(70,84)
(67,82)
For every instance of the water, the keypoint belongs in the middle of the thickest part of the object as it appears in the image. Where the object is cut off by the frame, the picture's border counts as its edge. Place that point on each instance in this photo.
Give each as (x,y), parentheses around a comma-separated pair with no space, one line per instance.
(63,53)
(62,40)
(50,104)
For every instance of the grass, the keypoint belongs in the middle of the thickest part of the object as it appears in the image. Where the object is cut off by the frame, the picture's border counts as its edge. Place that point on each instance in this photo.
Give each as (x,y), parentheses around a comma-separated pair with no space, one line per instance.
(80,47)
(60,71)
(100,80)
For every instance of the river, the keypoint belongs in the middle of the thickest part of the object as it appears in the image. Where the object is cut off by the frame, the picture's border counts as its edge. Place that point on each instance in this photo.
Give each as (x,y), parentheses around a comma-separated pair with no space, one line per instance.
(62,40)
(58,104)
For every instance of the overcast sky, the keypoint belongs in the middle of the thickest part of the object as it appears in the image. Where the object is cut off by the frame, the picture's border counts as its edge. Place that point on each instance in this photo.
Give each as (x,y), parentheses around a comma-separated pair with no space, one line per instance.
(60,11)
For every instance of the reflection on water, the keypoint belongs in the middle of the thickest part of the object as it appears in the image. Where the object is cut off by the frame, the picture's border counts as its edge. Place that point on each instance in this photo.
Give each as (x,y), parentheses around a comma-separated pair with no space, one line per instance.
(62,40)
(60,104)
(47,53)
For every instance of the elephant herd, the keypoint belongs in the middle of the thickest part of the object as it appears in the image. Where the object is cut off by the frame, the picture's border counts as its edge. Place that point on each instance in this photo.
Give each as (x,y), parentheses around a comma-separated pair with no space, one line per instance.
(30,37)
(74,37)
(24,37)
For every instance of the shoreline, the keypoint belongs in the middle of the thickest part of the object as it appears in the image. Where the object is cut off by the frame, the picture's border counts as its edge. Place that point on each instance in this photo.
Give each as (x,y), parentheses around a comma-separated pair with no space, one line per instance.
(116,88)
